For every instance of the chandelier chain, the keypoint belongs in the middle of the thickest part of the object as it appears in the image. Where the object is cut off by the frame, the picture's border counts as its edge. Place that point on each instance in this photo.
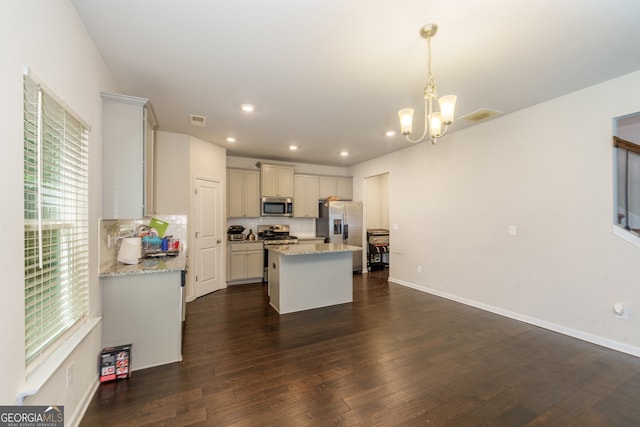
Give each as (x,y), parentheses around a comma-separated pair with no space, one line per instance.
(430,84)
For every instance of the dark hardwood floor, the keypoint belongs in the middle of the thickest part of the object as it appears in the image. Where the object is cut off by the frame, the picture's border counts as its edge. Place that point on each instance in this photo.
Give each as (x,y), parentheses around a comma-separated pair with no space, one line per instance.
(394,357)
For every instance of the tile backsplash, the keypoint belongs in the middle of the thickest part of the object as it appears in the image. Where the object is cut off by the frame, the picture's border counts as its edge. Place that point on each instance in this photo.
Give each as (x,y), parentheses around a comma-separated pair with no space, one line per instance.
(113,230)
(299,227)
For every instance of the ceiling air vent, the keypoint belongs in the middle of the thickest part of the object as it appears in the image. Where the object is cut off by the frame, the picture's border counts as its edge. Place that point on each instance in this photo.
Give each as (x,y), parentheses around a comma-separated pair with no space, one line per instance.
(198,120)
(481,115)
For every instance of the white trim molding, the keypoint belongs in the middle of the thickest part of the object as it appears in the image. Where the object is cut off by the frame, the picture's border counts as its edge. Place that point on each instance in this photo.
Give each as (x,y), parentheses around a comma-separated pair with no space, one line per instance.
(626,235)
(594,339)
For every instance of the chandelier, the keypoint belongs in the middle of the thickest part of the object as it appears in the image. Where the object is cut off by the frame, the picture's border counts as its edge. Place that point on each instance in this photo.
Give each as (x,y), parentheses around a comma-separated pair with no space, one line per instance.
(436,123)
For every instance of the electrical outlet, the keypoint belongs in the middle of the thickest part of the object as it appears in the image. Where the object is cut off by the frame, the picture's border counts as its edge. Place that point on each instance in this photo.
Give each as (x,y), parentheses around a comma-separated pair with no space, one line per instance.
(69,375)
(419,269)
(513,230)
(621,311)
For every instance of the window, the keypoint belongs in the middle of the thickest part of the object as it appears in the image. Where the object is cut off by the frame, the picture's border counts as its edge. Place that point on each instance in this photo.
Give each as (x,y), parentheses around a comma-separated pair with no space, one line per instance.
(56,223)
(627,179)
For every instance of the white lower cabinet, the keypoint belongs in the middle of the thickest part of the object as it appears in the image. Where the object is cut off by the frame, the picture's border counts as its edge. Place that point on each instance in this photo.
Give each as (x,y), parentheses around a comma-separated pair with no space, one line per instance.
(245,262)
(144,310)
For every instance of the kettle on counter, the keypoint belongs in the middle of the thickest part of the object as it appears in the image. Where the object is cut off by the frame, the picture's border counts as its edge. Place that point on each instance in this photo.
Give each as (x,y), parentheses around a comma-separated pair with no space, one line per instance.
(251,236)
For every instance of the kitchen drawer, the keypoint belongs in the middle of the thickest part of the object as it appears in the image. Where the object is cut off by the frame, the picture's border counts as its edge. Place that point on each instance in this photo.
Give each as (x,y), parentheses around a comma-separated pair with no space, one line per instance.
(237,247)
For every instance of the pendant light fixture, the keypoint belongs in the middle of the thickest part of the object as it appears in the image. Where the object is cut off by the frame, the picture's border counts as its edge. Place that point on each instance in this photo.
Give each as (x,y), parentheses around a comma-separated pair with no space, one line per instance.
(436,123)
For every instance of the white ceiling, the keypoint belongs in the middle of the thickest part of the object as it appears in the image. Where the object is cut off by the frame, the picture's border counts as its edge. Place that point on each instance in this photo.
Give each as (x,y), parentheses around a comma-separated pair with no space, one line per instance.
(330,75)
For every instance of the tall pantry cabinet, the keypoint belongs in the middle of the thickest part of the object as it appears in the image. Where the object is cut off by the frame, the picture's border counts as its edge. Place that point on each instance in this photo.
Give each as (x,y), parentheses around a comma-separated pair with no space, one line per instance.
(128,130)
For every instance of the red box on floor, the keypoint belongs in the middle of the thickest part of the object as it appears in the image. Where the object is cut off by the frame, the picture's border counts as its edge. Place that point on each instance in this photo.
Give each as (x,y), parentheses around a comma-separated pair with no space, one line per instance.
(115,363)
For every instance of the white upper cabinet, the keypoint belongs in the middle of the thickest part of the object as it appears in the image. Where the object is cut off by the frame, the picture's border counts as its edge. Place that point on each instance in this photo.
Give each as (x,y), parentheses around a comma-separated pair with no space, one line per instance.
(128,137)
(305,196)
(277,181)
(243,193)
(341,186)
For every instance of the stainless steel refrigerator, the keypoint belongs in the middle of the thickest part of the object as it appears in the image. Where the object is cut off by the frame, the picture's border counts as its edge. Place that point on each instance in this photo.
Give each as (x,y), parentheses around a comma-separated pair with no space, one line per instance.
(341,222)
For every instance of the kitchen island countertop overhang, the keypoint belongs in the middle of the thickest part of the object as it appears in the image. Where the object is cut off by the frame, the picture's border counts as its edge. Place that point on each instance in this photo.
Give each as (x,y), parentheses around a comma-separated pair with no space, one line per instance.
(313,248)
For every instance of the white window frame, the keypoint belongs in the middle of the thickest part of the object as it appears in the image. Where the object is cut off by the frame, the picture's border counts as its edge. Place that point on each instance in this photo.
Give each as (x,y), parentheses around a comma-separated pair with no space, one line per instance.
(56,223)
(626,178)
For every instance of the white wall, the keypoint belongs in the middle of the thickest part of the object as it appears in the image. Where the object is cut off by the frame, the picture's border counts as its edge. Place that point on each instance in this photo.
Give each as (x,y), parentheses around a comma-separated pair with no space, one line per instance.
(172,173)
(208,160)
(376,200)
(181,158)
(546,170)
(50,38)
(628,128)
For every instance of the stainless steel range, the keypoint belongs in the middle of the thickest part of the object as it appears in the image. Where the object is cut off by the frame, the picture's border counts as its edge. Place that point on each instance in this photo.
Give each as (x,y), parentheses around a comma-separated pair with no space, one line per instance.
(274,235)
(281,240)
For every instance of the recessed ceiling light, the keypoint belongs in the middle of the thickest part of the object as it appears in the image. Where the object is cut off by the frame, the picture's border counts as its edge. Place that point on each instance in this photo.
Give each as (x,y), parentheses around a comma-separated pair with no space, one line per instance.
(293,147)
(231,139)
(247,108)
(390,133)
(344,153)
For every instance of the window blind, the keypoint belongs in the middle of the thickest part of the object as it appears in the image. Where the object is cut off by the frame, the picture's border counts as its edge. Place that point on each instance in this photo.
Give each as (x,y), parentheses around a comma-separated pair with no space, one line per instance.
(56,220)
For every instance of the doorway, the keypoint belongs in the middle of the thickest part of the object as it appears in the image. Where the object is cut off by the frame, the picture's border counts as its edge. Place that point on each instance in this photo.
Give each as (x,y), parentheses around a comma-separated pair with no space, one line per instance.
(377,211)
(207,228)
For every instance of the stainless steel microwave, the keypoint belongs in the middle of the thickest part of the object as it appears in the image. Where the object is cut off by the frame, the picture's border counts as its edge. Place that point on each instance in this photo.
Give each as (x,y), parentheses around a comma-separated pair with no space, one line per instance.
(276,206)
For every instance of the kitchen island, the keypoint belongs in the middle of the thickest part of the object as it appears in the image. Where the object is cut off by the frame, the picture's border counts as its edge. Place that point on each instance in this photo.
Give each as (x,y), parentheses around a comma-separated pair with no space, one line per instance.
(307,276)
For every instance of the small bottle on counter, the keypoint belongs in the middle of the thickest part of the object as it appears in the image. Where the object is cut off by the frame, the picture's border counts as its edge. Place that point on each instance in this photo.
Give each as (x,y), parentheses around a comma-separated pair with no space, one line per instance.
(174,245)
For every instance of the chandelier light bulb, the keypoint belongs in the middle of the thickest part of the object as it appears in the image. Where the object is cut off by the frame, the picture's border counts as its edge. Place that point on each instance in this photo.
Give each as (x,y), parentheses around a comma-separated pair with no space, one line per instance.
(435,125)
(406,118)
(447,107)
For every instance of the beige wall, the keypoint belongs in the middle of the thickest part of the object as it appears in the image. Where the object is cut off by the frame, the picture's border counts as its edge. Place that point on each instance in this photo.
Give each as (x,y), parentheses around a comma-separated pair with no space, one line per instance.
(376,200)
(180,159)
(172,173)
(49,37)
(546,170)
(628,128)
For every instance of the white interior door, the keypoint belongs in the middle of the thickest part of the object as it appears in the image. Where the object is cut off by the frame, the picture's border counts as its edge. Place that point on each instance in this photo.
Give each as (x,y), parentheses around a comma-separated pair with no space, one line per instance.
(208,240)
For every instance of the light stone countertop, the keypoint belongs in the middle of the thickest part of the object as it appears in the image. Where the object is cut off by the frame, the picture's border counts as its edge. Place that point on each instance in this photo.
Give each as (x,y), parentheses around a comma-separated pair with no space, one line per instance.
(147,266)
(311,249)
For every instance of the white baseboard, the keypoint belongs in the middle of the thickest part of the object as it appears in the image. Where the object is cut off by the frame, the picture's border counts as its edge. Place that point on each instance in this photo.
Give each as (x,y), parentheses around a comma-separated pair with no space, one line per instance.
(77,415)
(594,339)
